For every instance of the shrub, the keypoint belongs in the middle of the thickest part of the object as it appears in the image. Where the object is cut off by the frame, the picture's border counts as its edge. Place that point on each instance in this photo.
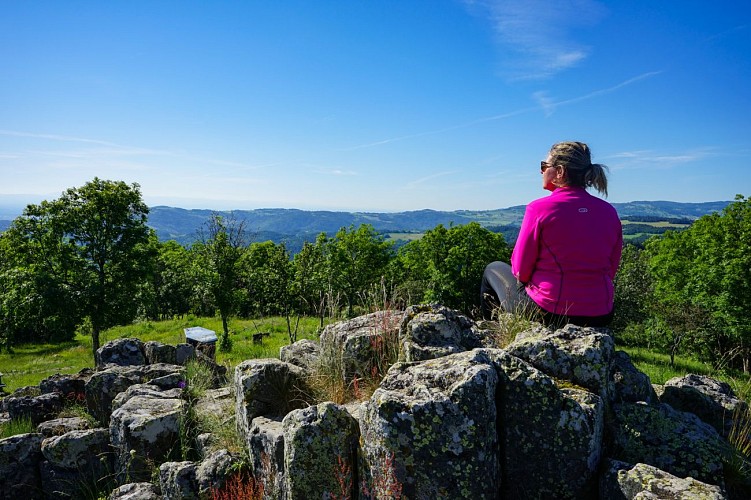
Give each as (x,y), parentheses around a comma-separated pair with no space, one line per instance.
(239,486)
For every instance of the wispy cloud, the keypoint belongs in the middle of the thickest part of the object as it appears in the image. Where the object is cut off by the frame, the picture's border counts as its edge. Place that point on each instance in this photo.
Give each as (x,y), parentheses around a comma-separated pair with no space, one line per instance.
(536,36)
(337,172)
(423,180)
(727,32)
(548,105)
(102,150)
(543,102)
(651,159)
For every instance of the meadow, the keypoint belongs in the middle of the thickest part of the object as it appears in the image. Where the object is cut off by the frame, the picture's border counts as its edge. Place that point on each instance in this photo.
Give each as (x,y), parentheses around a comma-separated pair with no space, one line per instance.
(29,364)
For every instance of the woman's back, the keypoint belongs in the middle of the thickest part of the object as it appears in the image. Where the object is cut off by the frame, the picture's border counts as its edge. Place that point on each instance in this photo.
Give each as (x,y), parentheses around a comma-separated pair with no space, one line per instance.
(568,252)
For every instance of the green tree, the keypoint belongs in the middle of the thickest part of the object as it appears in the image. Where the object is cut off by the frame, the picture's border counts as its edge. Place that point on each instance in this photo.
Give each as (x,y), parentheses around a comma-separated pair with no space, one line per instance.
(172,281)
(267,271)
(357,260)
(704,270)
(36,279)
(450,263)
(105,222)
(633,290)
(89,250)
(222,243)
(310,281)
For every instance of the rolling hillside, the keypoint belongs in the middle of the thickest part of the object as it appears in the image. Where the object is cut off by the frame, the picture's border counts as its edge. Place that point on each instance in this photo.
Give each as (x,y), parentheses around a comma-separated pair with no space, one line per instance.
(295,226)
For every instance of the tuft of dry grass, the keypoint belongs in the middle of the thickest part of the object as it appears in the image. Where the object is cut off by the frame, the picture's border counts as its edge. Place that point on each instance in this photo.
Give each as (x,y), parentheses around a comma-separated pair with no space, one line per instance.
(738,463)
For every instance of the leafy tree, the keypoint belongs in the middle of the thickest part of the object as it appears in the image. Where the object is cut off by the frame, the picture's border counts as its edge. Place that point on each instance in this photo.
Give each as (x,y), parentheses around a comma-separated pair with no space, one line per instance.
(704,270)
(450,263)
(222,243)
(357,260)
(633,289)
(310,282)
(172,281)
(36,294)
(267,271)
(84,255)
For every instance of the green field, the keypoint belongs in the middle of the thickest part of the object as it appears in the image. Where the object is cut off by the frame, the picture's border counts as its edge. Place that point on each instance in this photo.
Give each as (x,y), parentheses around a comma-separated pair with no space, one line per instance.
(29,364)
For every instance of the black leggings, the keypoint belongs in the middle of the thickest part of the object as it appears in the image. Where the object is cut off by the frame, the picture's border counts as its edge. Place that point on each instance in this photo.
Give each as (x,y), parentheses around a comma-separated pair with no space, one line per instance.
(500,289)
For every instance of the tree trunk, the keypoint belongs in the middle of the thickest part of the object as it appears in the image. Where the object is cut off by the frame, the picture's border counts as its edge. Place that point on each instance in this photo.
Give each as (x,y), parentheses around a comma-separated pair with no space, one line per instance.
(225,326)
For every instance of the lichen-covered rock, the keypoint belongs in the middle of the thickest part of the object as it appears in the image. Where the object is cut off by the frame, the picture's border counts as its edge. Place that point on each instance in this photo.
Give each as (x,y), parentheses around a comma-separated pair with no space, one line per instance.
(29,390)
(72,387)
(78,449)
(146,390)
(320,450)
(622,481)
(76,463)
(167,382)
(122,352)
(629,384)
(429,430)
(60,426)
(432,331)
(216,402)
(303,353)
(145,433)
(674,441)
(266,452)
(184,353)
(361,342)
(579,354)
(160,370)
(177,480)
(20,457)
(36,408)
(551,438)
(711,400)
(267,387)
(156,352)
(136,491)
(103,386)
(213,471)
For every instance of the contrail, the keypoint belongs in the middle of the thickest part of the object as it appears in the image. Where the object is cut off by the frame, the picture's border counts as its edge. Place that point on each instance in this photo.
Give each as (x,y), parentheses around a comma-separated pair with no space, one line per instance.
(547,106)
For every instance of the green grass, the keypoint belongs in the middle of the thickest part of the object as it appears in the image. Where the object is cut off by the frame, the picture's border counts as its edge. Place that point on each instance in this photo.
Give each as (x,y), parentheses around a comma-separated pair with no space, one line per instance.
(16,426)
(29,364)
(657,365)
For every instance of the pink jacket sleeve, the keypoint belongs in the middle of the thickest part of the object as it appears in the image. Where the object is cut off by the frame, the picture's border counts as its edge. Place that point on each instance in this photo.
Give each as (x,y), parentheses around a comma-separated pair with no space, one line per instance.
(527,246)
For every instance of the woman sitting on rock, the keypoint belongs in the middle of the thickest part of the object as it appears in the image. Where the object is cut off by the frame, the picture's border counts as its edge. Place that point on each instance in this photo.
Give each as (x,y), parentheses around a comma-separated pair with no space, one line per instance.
(568,249)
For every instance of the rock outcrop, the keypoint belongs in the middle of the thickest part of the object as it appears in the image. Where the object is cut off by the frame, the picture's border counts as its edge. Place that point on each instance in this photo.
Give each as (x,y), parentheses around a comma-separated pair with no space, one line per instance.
(431,427)
(624,481)
(556,414)
(711,400)
(20,457)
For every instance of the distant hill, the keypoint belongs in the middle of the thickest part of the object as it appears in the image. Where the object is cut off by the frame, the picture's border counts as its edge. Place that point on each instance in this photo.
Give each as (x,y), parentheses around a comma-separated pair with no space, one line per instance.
(294,226)
(291,225)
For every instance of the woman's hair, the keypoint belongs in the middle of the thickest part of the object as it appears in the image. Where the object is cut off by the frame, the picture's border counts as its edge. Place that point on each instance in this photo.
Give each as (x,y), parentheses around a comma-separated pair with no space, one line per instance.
(580,171)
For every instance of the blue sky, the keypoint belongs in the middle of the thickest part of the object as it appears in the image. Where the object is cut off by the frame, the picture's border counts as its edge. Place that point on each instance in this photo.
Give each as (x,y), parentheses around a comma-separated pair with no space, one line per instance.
(373,105)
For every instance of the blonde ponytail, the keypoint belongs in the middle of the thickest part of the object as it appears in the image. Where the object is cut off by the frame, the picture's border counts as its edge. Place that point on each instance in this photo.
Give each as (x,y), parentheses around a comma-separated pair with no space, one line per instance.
(580,171)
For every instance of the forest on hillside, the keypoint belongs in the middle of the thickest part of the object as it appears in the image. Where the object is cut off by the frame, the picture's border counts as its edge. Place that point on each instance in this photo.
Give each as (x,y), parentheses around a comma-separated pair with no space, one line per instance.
(89,260)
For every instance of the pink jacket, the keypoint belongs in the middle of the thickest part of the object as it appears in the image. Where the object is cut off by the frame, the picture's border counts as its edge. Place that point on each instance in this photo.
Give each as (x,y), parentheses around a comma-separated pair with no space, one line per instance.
(568,251)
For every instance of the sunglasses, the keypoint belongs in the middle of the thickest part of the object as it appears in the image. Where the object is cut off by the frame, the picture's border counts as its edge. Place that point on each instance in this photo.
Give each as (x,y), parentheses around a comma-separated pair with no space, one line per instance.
(545,165)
